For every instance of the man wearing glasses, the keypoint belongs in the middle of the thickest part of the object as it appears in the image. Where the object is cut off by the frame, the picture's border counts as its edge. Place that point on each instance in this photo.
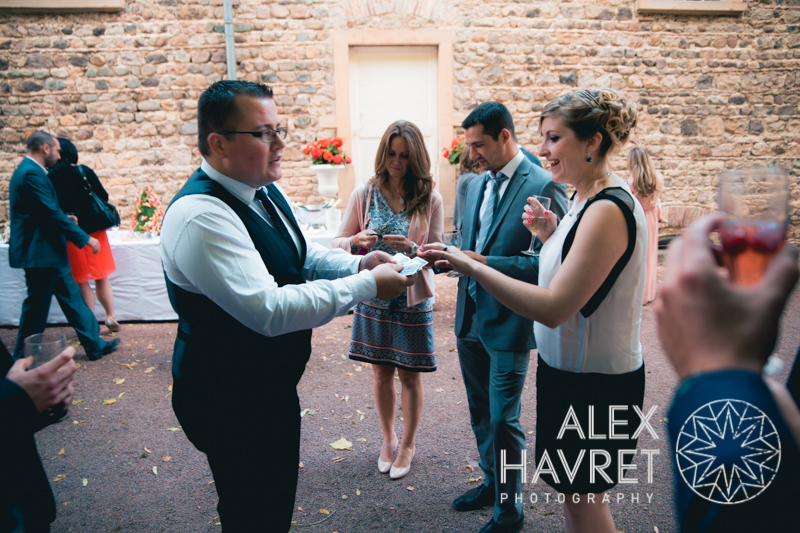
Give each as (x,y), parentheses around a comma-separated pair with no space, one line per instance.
(248,289)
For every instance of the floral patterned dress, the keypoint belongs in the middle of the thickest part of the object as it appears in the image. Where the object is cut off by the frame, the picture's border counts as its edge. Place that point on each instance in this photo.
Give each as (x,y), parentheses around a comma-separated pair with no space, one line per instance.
(389,332)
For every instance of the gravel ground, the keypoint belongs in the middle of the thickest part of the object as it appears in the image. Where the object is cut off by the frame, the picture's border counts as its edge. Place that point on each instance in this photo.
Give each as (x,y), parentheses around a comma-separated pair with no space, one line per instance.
(127,466)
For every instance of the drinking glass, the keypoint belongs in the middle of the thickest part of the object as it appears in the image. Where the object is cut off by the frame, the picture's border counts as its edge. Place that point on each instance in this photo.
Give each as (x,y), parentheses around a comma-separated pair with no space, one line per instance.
(452,238)
(44,347)
(756,202)
(538,221)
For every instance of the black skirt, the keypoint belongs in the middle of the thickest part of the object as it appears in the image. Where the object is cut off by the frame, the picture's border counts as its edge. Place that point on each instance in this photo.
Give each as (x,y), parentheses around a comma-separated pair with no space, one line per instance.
(556,392)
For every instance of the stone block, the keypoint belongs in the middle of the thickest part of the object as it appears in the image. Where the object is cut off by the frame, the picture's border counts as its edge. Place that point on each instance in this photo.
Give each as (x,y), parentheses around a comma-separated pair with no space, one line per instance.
(189,128)
(279,11)
(712,127)
(39,61)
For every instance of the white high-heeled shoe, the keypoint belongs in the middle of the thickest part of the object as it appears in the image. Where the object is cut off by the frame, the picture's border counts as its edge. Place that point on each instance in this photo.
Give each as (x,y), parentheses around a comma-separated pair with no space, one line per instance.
(384,466)
(397,473)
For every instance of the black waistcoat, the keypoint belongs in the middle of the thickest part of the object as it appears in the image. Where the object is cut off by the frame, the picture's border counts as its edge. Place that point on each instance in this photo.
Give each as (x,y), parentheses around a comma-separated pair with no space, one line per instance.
(213,349)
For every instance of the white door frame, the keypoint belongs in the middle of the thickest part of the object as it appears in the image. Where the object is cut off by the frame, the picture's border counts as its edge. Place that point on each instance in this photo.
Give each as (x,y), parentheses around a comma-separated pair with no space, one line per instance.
(344,39)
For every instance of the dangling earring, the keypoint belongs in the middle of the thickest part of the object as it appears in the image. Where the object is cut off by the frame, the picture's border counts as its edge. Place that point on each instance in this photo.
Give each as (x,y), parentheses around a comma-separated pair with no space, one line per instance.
(589,158)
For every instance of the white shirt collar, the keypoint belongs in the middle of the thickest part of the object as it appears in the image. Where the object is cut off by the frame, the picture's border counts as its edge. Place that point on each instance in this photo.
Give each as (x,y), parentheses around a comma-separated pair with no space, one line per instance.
(242,191)
(512,165)
(35,161)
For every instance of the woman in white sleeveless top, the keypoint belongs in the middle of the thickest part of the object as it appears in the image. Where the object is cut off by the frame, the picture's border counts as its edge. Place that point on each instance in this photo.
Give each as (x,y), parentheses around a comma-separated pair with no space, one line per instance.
(587,306)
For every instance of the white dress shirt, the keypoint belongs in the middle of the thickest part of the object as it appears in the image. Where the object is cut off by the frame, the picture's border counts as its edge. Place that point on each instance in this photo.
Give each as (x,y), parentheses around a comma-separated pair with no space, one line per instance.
(507,171)
(206,249)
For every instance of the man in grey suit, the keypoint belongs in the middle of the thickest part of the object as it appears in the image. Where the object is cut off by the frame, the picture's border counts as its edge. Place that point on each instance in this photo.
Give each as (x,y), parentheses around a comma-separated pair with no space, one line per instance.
(39,229)
(494,343)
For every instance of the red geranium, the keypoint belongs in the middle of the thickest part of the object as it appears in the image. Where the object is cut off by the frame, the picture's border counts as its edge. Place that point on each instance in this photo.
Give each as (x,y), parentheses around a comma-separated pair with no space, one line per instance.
(327,152)
(456,148)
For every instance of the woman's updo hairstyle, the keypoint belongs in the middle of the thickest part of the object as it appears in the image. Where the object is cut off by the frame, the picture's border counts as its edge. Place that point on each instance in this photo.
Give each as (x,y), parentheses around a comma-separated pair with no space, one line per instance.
(587,112)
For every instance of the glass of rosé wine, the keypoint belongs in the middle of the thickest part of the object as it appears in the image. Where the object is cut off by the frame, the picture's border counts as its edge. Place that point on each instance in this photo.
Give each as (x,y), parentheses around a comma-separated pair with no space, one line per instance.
(756,202)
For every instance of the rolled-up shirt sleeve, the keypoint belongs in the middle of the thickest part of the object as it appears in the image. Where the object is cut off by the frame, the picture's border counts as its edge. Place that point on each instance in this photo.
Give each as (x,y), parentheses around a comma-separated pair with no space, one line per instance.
(206,249)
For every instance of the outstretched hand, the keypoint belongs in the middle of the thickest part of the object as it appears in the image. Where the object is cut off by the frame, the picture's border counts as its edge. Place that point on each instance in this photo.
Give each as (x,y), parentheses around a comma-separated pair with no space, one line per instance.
(389,280)
(373,259)
(707,323)
(449,257)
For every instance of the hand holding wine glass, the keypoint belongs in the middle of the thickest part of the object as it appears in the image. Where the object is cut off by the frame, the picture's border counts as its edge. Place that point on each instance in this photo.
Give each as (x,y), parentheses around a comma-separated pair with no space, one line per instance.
(452,238)
(756,204)
(535,218)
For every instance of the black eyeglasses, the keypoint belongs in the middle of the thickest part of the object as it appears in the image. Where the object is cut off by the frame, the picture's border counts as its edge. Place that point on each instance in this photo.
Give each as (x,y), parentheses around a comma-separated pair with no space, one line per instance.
(266,136)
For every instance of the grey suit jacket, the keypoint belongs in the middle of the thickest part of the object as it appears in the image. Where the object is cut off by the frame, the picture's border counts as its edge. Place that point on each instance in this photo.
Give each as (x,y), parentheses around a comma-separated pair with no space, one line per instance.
(500,328)
(39,228)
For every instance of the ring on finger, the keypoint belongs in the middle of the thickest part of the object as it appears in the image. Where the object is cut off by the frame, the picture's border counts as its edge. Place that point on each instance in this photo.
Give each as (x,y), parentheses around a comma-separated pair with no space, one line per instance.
(445,248)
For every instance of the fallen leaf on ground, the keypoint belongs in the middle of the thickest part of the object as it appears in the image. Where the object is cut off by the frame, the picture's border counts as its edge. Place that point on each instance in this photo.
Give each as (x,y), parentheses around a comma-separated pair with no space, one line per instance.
(474,479)
(149,369)
(149,347)
(155,470)
(548,513)
(324,511)
(128,366)
(76,402)
(166,459)
(348,374)
(148,451)
(301,465)
(85,482)
(342,444)
(358,492)
(59,477)
(62,452)
(119,381)
(109,402)
(358,369)
(170,389)
(471,468)
(338,459)
(173,429)
(305,412)
(439,390)
(409,488)
(362,440)
(362,417)
(121,394)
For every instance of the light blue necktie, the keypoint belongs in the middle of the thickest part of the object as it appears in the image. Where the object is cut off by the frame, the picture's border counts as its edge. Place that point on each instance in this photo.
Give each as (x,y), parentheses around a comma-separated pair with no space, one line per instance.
(486,220)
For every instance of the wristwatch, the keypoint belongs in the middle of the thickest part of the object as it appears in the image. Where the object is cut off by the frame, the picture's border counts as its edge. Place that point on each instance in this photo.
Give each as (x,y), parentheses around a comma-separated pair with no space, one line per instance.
(414,249)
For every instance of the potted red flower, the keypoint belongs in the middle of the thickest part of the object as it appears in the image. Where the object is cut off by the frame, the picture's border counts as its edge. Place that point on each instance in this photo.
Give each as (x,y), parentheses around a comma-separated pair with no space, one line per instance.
(327,158)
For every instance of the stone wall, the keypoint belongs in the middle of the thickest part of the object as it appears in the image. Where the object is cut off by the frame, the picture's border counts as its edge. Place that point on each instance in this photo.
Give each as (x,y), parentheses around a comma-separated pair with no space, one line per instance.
(714,92)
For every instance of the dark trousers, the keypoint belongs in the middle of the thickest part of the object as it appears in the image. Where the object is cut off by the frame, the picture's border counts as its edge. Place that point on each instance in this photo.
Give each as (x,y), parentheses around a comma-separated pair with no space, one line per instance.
(43,284)
(494,381)
(253,450)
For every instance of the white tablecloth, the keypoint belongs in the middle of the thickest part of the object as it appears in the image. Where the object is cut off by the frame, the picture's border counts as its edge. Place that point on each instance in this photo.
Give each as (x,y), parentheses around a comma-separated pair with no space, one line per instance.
(140,292)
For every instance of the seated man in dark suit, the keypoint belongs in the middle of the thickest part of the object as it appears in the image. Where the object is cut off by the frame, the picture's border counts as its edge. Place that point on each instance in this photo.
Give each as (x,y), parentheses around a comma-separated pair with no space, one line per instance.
(39,229)
(738,471)
(26,501)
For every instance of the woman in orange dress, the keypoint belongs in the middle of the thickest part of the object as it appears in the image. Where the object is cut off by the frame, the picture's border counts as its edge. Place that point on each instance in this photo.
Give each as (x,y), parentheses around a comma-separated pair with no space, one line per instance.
(647,185)
(73,184)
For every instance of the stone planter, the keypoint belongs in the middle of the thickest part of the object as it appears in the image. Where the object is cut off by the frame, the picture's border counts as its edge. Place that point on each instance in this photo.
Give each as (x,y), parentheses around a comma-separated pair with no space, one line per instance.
(328,179)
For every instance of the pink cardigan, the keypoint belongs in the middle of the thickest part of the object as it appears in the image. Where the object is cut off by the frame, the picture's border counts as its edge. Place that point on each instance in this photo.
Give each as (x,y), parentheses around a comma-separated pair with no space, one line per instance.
(422,230)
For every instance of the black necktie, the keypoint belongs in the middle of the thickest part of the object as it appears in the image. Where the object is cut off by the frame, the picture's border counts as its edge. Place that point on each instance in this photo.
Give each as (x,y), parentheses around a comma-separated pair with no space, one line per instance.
(276,220)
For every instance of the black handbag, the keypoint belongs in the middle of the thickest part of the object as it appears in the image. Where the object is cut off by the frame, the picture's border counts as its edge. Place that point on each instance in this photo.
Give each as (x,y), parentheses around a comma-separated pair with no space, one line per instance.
(99,213)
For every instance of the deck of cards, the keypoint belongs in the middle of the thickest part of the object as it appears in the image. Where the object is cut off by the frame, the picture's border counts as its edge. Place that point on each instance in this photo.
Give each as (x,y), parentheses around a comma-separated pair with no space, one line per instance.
(410,266)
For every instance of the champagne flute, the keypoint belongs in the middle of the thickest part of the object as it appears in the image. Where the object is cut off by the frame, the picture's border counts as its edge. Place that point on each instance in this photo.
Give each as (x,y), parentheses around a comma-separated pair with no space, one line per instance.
(452,238)
(538,221)
(44,347)
(756,202)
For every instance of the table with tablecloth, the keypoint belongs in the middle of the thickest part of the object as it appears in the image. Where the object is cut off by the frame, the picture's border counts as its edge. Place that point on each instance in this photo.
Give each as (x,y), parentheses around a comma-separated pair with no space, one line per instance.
(140,293)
